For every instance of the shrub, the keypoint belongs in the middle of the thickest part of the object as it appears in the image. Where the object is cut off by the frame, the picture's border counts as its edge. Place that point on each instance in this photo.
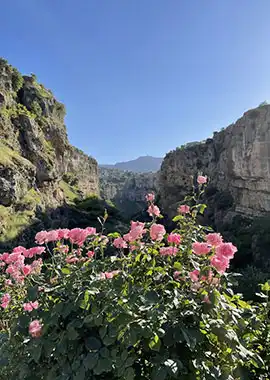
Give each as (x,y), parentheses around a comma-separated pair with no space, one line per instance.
(17,80)
(160,308)
(36,109)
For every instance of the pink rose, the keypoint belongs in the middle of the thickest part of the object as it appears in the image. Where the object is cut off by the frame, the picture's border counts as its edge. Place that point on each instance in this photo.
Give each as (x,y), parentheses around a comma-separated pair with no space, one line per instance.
(174,239)
(91,230)
(34,251)
(201,248)
(157,231)
(150,197)
(201,179)
(194,275)
(19,249)
(214,239)
(30,306)
(226,249)
(168,251)
(176,275)
(119,243)
(109,275)
(136,230)
(5,300)
(90,254)
(153,210)
(26,270)
(183,209)
(71,259)
(41,237)
(221,263)
(62,233)
(35,329)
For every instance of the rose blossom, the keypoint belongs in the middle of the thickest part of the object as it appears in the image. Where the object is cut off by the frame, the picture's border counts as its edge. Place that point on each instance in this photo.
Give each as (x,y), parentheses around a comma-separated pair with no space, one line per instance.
(153,210)
(150,197)
(221,263)
(201,179)
(157,231)
(214,239)
(35,328)
(5,300)
(168,251)
(90,254)
(174,238)
(119,243)
(183,209)
(201,248)
(226,249)
(29,306)
(194,275)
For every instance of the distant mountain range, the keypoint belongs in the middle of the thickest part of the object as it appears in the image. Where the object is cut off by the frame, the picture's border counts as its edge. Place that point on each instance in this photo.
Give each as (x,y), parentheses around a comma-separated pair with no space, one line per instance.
(142,164)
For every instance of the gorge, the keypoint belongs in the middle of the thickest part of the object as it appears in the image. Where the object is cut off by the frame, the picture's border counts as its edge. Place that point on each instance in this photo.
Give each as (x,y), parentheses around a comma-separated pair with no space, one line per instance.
(46,182)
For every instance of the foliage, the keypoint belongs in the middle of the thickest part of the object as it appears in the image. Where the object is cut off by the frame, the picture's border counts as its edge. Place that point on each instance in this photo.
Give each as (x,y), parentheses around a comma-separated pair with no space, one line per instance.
(248,283)
(17,110)
(265,103)
(13,222)
(36,109)
(16,77)
(17,80)
(9,157)
(159,308)
(70,192)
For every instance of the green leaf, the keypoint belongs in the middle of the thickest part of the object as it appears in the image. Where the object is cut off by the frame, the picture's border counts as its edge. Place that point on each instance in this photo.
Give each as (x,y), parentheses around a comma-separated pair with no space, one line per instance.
(108,340)
(114,235)
(202,208)
(177,266)
(265,287)
(36,353)
(155,343)
(124,355)
(32,293)
(103,365)
(190,340)
(129,362)
(80,375)
(102,331)
(72,333)
(90,361)
(65,270)
(93,343)
(129,374)
(104,352)
(171,366)
(177,218)
(159,373)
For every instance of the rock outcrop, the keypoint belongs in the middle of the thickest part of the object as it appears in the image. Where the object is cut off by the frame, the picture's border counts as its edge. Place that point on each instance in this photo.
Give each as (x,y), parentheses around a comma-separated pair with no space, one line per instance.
(39,169)
(237,161)
(127,189)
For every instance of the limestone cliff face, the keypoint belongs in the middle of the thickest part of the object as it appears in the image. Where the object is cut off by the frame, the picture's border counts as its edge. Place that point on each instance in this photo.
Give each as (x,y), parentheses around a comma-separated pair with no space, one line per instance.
(127,189)
(237,161)
(39,169)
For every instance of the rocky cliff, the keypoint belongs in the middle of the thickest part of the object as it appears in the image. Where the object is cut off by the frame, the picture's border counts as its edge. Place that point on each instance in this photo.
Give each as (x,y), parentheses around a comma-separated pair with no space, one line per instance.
(236,160)
(127,189)
(39,169)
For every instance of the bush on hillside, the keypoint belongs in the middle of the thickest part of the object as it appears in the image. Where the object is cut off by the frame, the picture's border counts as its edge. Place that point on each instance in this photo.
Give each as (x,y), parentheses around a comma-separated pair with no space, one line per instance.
(160,308)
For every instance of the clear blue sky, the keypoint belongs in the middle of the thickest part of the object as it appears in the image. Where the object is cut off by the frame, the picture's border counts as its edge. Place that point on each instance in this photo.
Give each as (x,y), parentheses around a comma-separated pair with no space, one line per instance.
(142,76)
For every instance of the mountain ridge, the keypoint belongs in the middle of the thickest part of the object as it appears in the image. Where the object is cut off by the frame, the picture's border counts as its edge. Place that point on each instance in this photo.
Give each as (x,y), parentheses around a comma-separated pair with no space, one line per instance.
(141,164)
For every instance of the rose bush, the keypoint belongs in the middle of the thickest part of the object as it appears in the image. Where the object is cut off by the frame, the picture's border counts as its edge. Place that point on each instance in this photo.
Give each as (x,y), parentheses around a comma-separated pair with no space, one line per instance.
(160,308)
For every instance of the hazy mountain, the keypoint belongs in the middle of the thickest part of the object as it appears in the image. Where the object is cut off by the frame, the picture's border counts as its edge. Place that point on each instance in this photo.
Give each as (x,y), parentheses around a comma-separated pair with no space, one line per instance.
(142,164)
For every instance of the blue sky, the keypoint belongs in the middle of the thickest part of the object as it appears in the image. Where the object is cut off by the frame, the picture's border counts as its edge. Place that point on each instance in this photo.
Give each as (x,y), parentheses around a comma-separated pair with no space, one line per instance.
(142,76)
